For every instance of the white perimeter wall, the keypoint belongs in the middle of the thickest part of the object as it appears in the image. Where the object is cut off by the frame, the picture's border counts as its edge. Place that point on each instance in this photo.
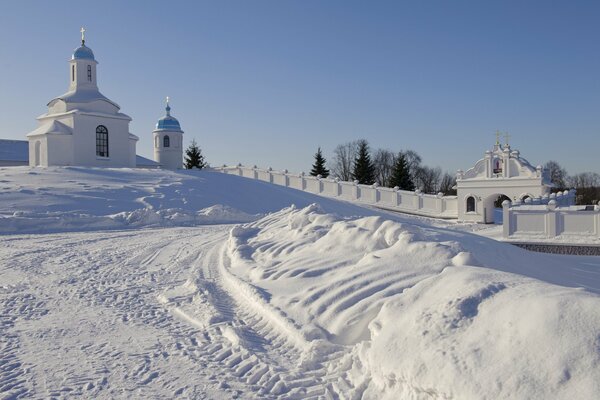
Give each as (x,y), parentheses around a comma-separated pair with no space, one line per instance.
(411,202)
(554,217)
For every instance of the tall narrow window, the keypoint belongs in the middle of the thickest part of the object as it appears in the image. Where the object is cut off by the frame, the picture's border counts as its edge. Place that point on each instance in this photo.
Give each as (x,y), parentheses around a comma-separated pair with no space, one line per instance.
(89,73)
(470,204)
(101,141)
(166,141)
(73,73)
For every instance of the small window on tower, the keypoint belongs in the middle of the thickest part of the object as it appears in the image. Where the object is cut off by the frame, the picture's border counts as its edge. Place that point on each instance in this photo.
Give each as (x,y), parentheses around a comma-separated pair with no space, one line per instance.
(166,141)
(73,73)
(89,73)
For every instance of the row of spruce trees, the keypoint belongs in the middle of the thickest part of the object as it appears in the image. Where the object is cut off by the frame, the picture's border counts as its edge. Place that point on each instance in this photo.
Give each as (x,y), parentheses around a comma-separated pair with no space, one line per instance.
(364,169)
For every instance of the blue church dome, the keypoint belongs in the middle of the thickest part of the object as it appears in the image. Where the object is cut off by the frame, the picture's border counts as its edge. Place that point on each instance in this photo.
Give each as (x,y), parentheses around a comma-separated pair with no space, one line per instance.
(168,122)
(83,53)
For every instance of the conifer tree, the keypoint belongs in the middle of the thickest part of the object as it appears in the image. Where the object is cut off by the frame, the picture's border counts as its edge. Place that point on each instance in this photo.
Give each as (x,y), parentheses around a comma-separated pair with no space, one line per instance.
(401,174)
(194,157)
(318,167)
(364,170)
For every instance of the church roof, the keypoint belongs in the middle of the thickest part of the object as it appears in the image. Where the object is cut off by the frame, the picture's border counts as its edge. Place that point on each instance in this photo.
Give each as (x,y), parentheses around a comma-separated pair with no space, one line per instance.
(168,122)
(83,53)
(141,161)
(82,96)
(53,127)
(14,150)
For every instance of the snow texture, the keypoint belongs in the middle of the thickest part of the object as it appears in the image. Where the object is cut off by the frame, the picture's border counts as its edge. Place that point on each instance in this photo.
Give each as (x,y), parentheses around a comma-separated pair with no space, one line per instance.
(138,284)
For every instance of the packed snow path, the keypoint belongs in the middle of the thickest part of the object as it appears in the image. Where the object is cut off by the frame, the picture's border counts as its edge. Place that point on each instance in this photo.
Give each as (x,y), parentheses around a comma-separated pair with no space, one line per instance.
(106,315)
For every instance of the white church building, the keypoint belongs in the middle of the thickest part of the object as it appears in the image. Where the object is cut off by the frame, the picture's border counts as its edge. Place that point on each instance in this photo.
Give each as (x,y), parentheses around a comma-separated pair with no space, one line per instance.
(82,126)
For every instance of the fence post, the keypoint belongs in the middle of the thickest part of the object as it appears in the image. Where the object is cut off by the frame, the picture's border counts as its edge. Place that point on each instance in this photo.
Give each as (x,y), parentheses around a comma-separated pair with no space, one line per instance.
(338,191)
(377,193)
(302,181)
(551,219)
(286,178)
(255,172)
(356,190)
(506,228)
(440,202)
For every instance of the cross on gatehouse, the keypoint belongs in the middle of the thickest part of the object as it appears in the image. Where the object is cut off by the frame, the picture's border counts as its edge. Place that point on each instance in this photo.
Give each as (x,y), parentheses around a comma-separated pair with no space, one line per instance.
(497,137)
(506,138)
(82,35)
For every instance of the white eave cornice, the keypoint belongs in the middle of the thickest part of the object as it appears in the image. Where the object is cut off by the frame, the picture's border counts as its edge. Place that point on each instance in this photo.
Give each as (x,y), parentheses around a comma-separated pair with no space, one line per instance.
(120,116)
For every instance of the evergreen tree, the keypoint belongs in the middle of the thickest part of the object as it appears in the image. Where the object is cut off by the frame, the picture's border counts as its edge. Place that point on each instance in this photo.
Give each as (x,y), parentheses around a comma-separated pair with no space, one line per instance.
(194,157)
(364,170)
(318,167)
(401,174)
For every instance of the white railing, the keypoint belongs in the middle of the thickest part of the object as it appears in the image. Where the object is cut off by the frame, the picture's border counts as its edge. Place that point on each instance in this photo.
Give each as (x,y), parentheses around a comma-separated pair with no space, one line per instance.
(400,200)
(551,217)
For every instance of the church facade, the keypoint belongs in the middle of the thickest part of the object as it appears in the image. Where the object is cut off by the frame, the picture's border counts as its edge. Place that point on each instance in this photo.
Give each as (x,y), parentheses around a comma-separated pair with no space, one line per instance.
(82,126)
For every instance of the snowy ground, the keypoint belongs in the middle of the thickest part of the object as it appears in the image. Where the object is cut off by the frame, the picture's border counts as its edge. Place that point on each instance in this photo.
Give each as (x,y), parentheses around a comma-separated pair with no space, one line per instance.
(136,284)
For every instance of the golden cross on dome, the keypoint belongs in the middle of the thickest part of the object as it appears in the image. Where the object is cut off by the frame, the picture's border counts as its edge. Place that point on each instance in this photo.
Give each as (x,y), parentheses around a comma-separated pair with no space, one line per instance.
(82,35)
(497,137)
(167,100)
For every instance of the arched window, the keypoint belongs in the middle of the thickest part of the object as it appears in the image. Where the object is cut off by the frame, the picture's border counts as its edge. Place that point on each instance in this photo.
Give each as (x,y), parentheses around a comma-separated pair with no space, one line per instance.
(156,142)
(101,141)
(470,204)
(166,141)
(89,73)
(73,73)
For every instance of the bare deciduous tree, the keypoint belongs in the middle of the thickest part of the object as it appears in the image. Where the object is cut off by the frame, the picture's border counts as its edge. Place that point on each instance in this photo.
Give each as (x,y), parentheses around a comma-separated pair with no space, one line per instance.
(557,174)
(384,163)
(342,162)
(428,179)
(447,183)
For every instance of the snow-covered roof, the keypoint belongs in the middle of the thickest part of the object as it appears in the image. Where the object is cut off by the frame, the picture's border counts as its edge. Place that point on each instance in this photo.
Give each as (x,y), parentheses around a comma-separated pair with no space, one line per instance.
(82,96)
(52,127)
(14,150)
(141,161)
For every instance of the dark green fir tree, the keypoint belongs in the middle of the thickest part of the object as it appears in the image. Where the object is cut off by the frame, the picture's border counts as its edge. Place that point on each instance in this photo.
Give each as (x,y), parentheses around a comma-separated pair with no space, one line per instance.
(318,167)
(194,157)
(364,169)
(401,174)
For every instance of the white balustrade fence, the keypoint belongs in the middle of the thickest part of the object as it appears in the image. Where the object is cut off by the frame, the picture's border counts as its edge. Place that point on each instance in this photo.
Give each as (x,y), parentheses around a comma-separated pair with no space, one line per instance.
(553,217)
(400,200)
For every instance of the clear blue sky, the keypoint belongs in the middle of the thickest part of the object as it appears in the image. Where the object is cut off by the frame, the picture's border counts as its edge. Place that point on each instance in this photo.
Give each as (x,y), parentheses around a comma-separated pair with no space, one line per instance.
(266,82)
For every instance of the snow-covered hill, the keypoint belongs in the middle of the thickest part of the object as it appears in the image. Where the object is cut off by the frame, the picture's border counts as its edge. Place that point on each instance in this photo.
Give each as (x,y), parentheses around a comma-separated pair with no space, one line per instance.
(307,298)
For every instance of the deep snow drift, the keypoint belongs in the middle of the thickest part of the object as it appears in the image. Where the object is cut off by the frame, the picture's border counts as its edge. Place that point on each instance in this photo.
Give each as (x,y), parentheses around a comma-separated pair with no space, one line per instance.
(327,300)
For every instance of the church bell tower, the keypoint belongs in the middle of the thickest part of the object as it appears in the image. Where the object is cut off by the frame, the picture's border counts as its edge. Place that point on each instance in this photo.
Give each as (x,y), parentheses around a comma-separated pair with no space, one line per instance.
(82,68)
(168,141)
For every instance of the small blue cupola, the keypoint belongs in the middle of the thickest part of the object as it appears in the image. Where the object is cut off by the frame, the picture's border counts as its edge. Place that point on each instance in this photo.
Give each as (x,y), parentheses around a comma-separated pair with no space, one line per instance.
(168,122)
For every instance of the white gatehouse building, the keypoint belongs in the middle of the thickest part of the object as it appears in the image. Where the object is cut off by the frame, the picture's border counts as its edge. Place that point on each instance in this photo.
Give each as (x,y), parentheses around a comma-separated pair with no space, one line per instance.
(82,126)
(502,172)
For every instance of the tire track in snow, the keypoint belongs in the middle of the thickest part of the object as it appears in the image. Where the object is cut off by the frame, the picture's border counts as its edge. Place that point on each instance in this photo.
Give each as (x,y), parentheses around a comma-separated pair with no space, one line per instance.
(253,349)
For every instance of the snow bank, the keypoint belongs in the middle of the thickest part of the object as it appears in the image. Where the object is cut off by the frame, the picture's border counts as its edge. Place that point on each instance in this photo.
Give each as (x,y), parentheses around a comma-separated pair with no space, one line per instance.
(35,200)
(423,312)
(29,222)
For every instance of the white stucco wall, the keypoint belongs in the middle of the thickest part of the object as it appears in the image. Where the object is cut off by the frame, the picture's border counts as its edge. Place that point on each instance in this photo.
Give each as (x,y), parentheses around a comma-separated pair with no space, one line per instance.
(120,150)
(168,157)
(400,200)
